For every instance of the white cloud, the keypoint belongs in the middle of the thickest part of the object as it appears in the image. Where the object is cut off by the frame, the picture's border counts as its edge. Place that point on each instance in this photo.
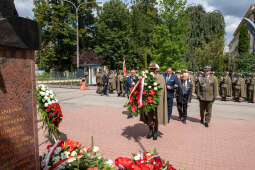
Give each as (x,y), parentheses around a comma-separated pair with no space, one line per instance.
(204,3)
(24,7)
(232,23)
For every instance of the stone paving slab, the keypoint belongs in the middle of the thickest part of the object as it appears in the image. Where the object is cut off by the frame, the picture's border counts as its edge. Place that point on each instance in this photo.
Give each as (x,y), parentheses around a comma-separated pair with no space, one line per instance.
(228,144)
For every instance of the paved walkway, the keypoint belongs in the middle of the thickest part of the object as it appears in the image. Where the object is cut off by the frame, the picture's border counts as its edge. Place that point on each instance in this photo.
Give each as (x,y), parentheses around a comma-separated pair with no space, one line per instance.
(229,143)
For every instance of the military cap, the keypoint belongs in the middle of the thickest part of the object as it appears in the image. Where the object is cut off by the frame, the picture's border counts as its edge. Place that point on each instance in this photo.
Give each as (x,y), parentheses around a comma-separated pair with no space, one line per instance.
(207,68)
(153,65)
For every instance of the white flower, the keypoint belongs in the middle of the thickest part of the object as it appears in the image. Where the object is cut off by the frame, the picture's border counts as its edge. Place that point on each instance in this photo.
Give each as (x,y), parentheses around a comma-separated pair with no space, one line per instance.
(56,159)
(137,157)
(155,88)
(155,84)
(146,71)
(46,97)
(149,87)
(152,73)
(67,153)
(52,96)
(71,160)
(46,104)
(84,150)
(145,84)
(43,89)
(56,100)
(143,72)
(73,153)
(58,150)
(50,102)
(51,92)
(109,162)
(95,149)
(133,83)
(63,156)
(42,93)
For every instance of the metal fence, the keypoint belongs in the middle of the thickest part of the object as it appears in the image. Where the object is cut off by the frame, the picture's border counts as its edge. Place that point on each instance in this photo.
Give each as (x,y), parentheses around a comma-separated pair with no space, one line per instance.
(59,79)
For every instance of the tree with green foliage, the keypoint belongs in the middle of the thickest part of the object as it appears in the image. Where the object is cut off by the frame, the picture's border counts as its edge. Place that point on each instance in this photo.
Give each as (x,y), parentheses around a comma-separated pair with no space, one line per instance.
(170,37)
(144,18)
(58,29)
(212,54)
(245,63)
(113,30)
(204,28)
(244,41)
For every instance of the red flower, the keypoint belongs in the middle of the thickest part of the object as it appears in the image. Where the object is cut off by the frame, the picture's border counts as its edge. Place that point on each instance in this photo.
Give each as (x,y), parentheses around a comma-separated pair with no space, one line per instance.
(158,165)
(133,108)
(95,168)
(150,99)
(131,100)
(144,92)
(50,115)
(143,102)
(48,109)
(152,92)
(53,120)
(125,162)
(146,167)
(48,147)
(131,89)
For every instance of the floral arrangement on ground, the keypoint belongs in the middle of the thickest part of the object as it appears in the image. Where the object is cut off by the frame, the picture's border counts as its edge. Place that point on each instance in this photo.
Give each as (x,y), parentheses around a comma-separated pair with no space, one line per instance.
(49,109)
(144,94)
(71,155)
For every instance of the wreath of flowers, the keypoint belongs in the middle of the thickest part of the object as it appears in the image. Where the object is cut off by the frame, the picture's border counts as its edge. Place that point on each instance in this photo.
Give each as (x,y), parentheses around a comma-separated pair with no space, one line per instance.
(49,109)
(143,161)
(147,87)
(71,155)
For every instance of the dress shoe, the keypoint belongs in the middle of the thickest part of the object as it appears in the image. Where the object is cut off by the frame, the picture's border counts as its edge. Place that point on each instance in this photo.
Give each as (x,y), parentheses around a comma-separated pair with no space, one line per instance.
(206,125)
(150,134)
(155,135)
(184,121)
(202,121)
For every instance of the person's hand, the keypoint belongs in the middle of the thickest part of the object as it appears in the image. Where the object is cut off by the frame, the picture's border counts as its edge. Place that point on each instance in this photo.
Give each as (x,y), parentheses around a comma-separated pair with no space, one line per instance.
(175,85)
(168,87)
(194,94)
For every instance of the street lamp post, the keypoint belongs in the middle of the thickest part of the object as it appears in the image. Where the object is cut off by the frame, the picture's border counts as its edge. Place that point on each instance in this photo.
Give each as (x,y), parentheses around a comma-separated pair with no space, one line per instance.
(77,7)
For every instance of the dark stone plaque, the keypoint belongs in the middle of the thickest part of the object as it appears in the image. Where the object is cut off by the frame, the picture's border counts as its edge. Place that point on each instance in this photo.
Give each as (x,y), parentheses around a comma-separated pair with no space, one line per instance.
(18,119)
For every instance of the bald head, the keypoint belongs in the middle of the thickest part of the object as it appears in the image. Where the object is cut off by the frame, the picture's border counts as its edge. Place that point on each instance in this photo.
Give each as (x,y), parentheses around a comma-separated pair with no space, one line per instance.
(185,76)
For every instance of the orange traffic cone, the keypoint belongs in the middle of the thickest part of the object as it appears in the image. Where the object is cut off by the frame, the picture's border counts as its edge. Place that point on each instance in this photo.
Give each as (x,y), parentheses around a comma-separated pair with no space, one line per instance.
(83,86)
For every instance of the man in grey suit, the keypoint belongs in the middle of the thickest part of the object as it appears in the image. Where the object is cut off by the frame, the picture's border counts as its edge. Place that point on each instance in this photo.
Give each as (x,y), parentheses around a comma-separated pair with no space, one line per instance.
(183,96)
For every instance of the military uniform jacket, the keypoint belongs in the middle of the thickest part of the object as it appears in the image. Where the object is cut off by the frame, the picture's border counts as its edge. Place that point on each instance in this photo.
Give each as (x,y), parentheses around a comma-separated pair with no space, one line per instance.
(99,80)
(251,84)
(207,88)
(226,83)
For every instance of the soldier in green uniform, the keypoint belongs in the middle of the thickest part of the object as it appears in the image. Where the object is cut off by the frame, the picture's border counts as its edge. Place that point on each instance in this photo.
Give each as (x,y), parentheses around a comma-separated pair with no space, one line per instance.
(112,86)
(99,81)
(199,75)
(120,84)
(236,87)
(243,88)
(225,86)
(251,89)
(207,94)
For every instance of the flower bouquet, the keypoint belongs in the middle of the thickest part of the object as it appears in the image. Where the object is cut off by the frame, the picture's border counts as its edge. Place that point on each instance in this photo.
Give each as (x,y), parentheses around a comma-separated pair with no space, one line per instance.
(49,109)
(71,155)
(143,161)
(144,94)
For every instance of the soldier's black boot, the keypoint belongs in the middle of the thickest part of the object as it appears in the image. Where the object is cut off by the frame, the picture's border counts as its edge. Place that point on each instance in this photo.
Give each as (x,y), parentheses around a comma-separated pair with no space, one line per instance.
(155,134)
(206,124)
(150,134)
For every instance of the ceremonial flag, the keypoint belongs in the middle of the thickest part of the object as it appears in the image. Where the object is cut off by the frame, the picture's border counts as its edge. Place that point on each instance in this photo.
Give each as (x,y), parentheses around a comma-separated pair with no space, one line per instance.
(124,68)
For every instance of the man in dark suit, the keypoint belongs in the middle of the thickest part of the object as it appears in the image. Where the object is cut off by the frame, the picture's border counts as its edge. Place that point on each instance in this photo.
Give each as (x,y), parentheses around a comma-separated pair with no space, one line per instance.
(171,82)
(130,80)
(183,96)
(105,80)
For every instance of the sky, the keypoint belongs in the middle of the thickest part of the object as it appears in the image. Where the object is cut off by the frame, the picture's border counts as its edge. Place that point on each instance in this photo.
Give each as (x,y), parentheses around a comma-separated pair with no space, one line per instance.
(233,11)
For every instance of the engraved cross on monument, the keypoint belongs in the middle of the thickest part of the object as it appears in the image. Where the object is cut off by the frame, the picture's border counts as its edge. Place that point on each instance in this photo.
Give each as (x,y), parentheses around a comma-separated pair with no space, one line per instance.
(19,38)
